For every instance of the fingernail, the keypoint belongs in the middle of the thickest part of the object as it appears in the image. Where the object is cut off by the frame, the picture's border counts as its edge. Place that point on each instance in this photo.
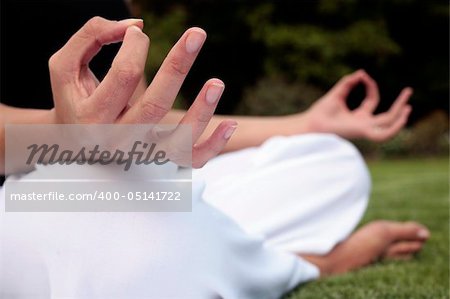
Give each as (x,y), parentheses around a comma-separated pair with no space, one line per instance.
(194,41)
(214,92)
(130,22)
(229,132)
(423,233)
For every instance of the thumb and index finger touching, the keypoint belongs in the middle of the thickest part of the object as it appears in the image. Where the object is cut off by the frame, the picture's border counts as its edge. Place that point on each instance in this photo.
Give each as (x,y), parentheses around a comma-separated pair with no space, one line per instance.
(110,96)
(87,42)
(347,83)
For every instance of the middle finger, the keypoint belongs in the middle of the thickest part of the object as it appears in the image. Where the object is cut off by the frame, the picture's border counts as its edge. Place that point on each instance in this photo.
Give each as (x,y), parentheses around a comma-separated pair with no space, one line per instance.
(160,95)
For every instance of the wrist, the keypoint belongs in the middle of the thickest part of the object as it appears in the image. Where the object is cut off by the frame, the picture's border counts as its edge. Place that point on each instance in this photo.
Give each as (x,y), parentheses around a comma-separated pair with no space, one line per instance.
(316,122)
(299,123)
(38,116)
(14,115)
(50,117)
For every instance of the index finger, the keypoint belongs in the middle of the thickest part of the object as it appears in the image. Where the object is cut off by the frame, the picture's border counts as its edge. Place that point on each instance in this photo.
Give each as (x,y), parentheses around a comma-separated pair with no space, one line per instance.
(87,42)
(372,98)
(126,71)
(343,87)
(160,95)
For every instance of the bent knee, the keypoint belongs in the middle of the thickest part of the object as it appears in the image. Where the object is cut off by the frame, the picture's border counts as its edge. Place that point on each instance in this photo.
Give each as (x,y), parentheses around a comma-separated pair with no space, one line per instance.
(352,166)
(336,157)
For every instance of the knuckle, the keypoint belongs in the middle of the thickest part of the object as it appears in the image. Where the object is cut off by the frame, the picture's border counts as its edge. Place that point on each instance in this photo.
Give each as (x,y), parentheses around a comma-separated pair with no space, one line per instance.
(203,118)
(83,114)
(150,110)
(101,107)
(94,22)
(63,68)
(91,28)
(127,73)
(53,62)
(178,66)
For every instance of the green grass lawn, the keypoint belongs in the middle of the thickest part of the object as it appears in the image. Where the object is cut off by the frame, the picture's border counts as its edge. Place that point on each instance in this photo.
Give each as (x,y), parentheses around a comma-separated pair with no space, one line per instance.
(402,190)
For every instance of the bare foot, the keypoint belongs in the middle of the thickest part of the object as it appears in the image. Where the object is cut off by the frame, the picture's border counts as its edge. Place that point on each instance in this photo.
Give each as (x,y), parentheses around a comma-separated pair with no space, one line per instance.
(374,241)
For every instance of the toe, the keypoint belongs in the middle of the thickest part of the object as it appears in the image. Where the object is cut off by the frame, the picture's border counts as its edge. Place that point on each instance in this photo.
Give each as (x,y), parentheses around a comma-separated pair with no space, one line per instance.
(409,231)
(399,257)
(403,250)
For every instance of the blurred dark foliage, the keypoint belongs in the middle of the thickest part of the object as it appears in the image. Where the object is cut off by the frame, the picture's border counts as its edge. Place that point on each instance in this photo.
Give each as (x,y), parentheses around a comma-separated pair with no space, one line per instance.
(31,31)
(276,57)
(268,51)
(276,96)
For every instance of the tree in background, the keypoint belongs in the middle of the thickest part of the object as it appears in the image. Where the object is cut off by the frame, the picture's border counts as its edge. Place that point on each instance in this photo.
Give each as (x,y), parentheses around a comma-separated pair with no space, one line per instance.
(277,57)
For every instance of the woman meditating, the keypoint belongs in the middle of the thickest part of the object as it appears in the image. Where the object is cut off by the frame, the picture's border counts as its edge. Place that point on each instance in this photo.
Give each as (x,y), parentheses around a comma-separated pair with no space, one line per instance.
(277,208)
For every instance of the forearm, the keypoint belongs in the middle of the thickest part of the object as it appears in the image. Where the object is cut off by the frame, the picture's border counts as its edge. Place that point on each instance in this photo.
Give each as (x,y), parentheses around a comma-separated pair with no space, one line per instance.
(10,115)
(253,130)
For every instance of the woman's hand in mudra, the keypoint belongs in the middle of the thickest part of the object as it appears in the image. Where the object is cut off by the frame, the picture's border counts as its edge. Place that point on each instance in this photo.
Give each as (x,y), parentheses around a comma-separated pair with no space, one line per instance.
(330,113)
(81,99)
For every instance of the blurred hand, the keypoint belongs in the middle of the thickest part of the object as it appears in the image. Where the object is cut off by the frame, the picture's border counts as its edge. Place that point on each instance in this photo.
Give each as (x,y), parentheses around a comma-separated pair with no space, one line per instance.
(330,113)
(81,99)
